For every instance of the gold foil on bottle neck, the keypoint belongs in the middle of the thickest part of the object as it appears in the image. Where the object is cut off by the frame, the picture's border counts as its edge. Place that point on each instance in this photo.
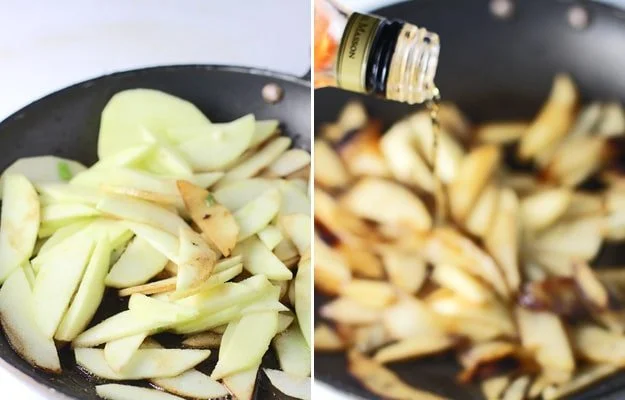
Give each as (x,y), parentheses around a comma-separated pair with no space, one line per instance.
(353,53)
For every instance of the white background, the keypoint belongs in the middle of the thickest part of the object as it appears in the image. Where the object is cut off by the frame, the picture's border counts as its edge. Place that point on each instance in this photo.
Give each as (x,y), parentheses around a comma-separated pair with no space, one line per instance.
(46,45)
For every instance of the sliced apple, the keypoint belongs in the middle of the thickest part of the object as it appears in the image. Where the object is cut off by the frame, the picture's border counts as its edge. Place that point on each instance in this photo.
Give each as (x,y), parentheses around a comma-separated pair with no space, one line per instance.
(303,299)
(156,287)
(149,308)
(89,295)
(263,131)
(229,294)
(248,343)
(294,201)
(298,228)
(216,146)
(42,169)
(197,260)
(204,340)
(242,384)
(123,325)
(137,265)
(167,161)
(291,385)
(293,352)
(215,220)
(215,280)
(19,223)
(259,260)
(257,214)
(193,384)
(20,327)
(142,212)
(66,193)
(64,213)
(164,242)
(263,158)
(144,364)
(235,195)
(206,179)
(54,291)
(284,321)
(129,157)
(60,235)
(209,321)
(270,236)
(114,391)
(270,301)
(119,352)
(129,113)
(289,162)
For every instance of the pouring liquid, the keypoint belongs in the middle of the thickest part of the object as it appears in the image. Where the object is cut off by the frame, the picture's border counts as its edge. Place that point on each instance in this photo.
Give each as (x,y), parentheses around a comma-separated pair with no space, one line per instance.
(440,202)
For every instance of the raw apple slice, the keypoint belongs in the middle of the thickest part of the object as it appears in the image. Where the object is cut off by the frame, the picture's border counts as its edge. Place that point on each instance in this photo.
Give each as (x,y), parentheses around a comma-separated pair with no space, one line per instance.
(215,279)
(42,169)
(114,391)
(303,298)
(167,161)
(20,328)
(62,214)
(209,321)
(123,325)
(248,344)
(148,308)
(294,386)
(215,146)
(66,193)
(230,293)
(193,384)
(294,201)
(293,352)
(298,228)
(215,220)
(143,212)
(164,242)
(53,290)
(137,265)
(144,364)
(206,179)
(285,319)
(197,260)
(60,235)
(289,162)
(119,352)
(253,165)
(263,131)
(19,223)
(129,157)
(89,295)
(259,260)
(257,214)
(242,384)
(130,112)
(235,195)
(270,236)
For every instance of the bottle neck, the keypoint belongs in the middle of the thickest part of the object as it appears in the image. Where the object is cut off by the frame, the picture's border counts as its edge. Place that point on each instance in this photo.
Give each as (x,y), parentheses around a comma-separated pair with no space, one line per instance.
(387,58)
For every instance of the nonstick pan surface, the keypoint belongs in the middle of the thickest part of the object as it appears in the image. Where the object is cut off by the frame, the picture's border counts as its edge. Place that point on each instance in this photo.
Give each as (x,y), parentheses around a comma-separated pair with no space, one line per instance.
(495,69)
(66,124)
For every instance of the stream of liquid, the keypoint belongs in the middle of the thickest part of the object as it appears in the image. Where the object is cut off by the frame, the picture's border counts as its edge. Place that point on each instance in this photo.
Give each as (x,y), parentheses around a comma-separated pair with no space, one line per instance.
(440,203)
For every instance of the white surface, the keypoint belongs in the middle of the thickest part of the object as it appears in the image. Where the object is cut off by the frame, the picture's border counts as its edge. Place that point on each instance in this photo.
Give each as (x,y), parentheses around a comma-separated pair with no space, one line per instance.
(46,45)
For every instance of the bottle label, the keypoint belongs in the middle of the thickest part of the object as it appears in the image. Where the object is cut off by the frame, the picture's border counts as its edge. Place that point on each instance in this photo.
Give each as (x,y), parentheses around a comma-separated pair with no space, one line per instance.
(353,53)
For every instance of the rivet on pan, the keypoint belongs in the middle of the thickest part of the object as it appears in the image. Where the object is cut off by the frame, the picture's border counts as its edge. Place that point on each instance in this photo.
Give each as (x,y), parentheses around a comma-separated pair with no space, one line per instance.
(578,17)
(272,93)
(503,9)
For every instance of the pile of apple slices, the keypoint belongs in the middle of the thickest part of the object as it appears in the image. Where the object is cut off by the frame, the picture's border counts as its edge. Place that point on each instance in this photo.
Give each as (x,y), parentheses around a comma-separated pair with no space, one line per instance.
(227,268)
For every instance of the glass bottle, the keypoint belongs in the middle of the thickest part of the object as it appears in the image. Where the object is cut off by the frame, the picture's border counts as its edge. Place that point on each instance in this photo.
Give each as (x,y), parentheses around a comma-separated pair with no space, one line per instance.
(374,55)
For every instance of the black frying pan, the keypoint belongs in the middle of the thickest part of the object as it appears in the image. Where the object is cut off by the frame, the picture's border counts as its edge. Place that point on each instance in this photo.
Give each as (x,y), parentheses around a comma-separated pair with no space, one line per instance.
(496,69)
(66,124)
